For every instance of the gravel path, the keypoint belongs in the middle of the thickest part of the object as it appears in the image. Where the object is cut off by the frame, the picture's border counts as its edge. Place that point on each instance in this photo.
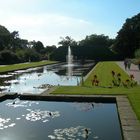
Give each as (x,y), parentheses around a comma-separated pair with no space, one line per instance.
(133,70)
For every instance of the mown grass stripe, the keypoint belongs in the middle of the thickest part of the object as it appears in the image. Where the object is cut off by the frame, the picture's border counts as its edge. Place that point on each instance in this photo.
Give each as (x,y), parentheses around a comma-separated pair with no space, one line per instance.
(20,66)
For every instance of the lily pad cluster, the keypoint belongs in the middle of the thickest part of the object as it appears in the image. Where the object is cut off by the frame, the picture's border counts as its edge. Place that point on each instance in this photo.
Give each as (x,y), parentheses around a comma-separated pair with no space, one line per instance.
(6,123)
(35,115)
(72,133)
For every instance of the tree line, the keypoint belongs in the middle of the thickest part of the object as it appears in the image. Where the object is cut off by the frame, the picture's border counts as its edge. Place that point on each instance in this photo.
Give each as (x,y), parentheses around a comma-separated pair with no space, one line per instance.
(101,47)
(94,47)
(127,42)
(13,49)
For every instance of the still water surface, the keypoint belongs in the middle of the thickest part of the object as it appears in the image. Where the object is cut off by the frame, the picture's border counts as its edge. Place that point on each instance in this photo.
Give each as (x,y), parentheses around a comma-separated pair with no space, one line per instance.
(44,120)
(33,80)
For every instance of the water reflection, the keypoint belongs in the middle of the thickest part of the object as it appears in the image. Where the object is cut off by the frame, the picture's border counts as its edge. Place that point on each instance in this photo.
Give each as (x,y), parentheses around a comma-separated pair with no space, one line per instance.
(85,106)
(72,133)
(44,116)
(58,120)
(6,122)
(29,81)
(5,76)
(69,71)
(18,103)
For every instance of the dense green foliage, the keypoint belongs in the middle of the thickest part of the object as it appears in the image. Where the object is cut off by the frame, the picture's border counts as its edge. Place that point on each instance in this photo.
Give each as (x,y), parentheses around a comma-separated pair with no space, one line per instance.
(128,38)
(13,49)
(137,53)
(92,47)
(95,47)
(4,37)
(8,57)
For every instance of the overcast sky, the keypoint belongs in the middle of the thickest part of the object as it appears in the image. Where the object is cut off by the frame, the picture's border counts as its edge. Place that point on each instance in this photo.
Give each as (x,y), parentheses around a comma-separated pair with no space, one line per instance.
(48,20)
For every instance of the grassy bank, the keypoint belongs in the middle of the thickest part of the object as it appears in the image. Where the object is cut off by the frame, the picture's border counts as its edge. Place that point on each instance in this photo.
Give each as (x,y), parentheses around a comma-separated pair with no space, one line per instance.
(103,72)
(96,90)
(23,66)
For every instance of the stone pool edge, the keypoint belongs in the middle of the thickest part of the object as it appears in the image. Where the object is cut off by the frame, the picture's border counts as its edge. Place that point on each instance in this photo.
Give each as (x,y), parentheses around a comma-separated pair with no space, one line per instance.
(130,125)
(129,122)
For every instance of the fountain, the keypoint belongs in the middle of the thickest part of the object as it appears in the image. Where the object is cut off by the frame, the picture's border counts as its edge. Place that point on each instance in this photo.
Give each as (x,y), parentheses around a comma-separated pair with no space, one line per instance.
(69,63)
(69,57)
(37,80)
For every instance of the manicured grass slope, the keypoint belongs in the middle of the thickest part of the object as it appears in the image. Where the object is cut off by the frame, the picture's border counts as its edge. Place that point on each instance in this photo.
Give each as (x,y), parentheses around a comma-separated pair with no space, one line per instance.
(103,72)
(23,66)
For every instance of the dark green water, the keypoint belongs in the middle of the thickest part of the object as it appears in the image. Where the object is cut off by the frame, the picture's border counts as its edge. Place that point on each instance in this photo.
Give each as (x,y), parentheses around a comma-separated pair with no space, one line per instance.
(44,120)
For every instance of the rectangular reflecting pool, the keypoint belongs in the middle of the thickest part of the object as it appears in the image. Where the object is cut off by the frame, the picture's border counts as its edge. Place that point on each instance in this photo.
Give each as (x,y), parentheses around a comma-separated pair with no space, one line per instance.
(51,120)
(39,79)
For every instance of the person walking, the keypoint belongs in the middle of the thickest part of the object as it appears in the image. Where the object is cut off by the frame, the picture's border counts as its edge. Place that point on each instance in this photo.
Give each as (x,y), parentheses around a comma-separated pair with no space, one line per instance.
(125,63)
(139,66)
(129,64)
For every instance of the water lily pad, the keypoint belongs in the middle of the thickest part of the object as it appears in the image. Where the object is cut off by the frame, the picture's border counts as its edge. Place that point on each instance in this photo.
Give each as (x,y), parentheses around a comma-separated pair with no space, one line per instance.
(6,123)
(44,116)
(72,133)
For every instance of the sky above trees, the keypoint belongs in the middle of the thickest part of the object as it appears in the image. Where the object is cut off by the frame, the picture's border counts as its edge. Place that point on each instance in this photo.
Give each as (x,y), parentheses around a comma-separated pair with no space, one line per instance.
(48,20)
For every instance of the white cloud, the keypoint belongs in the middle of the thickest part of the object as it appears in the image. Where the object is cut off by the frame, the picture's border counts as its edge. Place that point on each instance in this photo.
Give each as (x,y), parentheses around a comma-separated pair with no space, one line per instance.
(47,27)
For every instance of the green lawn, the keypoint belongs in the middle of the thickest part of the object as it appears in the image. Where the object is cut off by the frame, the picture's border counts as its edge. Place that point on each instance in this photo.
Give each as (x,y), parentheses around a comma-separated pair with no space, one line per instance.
(134,99)
(103,72)
(23,66)
(95,90)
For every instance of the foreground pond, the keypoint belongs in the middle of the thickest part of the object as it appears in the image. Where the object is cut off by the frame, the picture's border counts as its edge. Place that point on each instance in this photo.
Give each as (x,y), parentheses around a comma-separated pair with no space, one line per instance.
(44,120)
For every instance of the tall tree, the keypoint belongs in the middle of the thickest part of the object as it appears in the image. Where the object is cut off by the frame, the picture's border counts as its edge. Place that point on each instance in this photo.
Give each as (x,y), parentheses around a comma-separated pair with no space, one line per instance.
(8,57)
(92,47)
(49,50)
(4,37)
(128,38)
(16,42)
(67,41)
(38,46)
(95,47)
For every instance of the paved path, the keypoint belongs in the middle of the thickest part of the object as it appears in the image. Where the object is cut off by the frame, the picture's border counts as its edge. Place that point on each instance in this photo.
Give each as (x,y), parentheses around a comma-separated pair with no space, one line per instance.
(130,124)
(133,70)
